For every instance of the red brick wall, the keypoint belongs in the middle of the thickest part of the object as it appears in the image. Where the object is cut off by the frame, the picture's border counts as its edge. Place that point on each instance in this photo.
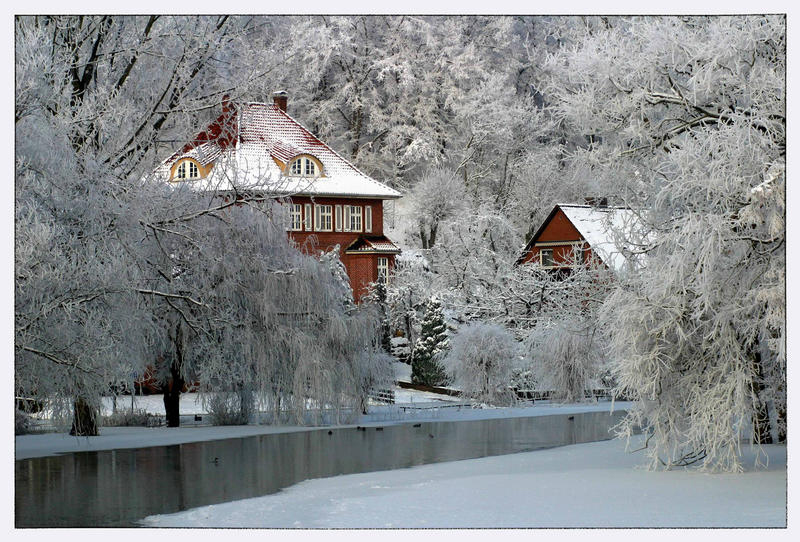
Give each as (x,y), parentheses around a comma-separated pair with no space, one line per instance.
(362,269)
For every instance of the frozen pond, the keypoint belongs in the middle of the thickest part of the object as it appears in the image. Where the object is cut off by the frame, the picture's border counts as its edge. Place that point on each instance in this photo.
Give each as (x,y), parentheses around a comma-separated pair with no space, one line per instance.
(116,488)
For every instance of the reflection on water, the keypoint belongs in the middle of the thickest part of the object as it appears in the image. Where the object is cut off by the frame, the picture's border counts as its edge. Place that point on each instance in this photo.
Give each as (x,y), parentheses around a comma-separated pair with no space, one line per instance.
(119,487)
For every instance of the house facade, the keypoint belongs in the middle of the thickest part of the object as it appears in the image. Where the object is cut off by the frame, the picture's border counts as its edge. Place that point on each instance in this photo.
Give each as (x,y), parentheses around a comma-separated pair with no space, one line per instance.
(258,149)
(577,235)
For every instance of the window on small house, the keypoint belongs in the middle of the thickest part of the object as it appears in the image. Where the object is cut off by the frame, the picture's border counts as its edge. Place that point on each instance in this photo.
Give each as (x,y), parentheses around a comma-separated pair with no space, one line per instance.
(187,170)
(304,167)
(323,217)
(296,216)
(383,270)
(546,257)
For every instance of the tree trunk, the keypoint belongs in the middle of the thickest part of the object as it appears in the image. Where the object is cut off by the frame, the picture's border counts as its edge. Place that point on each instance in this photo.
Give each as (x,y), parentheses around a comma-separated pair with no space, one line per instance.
(84,420)
(761,428)
(173,384)
(172,398)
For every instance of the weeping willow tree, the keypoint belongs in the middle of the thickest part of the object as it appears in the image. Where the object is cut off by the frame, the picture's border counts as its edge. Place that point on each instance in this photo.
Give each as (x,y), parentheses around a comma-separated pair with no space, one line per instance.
(282,334)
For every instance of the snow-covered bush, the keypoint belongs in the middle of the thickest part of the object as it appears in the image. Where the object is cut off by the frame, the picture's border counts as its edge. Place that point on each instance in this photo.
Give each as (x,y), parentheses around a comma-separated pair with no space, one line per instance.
(565,356)
(22,422)
(523,379)
(480,362)
(228,409)
(130,418)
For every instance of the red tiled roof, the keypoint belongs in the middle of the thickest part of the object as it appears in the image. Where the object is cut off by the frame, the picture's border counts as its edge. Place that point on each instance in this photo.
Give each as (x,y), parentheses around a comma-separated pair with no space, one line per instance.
(253,136)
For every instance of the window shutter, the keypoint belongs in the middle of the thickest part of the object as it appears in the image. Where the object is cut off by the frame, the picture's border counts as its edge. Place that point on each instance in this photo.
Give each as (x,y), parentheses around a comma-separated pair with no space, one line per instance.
(368,218)
(338,218)
(346,218)
(308,217)
(317,217)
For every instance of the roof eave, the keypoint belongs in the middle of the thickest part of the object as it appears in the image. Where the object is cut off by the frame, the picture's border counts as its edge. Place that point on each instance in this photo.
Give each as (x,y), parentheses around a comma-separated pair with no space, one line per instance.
(373,251)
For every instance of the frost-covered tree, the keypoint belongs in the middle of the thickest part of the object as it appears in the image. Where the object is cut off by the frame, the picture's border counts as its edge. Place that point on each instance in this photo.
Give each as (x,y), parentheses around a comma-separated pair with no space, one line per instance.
(565,355)
(401,94)
(439,195)
(377,296)
(477,249)
(481,361)
(79,324)
(689,114)
(411,286)
(94,95)
(296,354)
(432,344)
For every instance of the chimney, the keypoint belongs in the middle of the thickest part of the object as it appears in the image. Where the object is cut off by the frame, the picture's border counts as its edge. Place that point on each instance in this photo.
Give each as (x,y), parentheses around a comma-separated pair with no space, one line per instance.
(226,103)
(281,99)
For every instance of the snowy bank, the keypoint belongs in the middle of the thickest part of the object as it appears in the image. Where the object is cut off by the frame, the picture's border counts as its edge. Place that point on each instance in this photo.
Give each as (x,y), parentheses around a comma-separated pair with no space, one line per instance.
(586,485)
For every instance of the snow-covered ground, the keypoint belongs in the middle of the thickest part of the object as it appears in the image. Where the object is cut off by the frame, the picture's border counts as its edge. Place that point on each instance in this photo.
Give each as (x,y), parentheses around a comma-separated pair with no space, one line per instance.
(417,406)
(586,485)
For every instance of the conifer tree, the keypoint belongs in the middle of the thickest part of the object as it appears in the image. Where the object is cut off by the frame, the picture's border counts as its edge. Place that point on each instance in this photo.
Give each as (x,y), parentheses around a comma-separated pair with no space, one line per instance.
(431,345)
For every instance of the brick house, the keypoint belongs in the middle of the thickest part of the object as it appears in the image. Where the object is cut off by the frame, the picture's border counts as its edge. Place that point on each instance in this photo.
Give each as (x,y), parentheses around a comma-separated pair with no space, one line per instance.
(573,235)
(257,148)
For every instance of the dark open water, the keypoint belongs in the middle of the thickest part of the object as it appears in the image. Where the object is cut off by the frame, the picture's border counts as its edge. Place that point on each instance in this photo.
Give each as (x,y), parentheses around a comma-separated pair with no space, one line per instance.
(116,488)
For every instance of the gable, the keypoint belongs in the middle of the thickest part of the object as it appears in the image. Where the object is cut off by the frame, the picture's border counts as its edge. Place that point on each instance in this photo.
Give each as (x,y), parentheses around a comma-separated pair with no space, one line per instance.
(558,228)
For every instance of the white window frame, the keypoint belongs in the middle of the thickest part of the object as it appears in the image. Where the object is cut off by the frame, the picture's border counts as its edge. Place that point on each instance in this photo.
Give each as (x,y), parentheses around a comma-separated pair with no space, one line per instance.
(295,217)
(541,257)
(383,270)
(304,167)
(354,218)
(182,174)
(339,220)
(323,217)
(308,223)
(368,218)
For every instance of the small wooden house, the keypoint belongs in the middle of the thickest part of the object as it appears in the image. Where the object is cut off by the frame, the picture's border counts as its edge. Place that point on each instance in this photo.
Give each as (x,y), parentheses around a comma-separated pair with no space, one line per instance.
(575,235)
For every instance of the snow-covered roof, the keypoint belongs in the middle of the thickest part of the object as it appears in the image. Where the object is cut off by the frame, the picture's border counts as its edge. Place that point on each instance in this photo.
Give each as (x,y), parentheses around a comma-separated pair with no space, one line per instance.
(375,243)
(608,230)
(244,144)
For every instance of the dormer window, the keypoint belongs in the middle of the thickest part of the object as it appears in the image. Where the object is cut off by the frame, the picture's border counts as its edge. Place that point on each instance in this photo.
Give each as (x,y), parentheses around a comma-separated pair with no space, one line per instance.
(187,170)
(305,166)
